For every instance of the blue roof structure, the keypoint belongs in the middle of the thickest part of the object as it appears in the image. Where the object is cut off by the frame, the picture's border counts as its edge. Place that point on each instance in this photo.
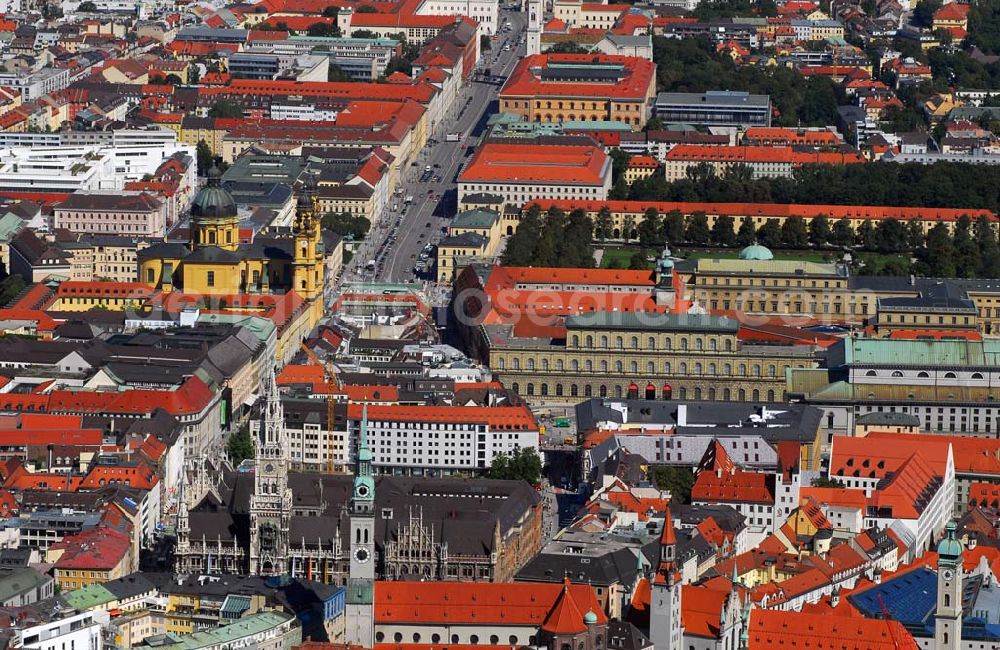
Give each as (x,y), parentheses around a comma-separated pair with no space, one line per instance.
(911,599)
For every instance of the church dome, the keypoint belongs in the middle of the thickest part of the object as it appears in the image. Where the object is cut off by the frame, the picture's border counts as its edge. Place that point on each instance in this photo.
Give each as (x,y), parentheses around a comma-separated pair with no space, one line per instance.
(950,547)
(756,252)
(590,618)
(213,201)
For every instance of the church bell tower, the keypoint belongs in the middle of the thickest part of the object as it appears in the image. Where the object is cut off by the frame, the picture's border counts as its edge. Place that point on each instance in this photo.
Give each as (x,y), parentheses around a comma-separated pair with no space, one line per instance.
(948,615)
(308,260)
(361,581)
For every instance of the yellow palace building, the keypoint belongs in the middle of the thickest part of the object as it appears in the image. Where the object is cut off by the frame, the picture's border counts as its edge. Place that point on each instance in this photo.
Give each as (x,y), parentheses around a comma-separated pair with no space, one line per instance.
(215,264)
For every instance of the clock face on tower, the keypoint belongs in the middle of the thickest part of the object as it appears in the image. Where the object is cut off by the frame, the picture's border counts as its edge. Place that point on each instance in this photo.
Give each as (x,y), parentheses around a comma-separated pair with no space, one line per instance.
(947,574)
(362,491)
(269,468)
(361,555)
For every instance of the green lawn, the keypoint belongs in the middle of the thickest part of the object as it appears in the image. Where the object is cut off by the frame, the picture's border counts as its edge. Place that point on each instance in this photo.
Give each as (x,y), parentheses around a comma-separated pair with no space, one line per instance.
(621,257)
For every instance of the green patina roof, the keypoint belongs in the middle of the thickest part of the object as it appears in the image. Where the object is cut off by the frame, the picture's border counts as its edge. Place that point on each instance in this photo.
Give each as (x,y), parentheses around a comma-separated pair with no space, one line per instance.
(231,633)
(10,225)
(261,327)
(475,219)
(646,321)
(864,352)
(89,597)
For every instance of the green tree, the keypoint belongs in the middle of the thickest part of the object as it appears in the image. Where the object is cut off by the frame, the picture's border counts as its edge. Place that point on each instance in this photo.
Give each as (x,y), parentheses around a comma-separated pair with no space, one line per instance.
(890,236)
(225,108)
(485,44)
(628,227)
(676,480)
(865,236)
(194,75)
(650,229)
(923,14)
(10,287)
(794,233)
(323,30)
(567,47)
(989,250)
(914,235)
(824,482)
(604,224)
(204,156)
(522,465)
(723,233)
(331,11)
(240,447)
(619,163)
(842,233)
(87,7)
(937,257)
(967,261)
(770,234)
(747,233)
(673,227)
(697,231)
(819,230)
(637,261)
(346,223)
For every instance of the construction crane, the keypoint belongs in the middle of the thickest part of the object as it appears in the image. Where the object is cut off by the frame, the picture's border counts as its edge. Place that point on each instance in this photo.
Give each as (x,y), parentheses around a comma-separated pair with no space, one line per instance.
(888,621)
(330,380)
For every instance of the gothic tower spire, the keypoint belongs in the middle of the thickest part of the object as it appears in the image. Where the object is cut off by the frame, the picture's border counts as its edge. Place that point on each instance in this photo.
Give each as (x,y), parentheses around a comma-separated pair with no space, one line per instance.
(271,502)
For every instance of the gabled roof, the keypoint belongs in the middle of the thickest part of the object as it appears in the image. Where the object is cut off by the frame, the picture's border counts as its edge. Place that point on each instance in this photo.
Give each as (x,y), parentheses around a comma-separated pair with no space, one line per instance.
(771,629)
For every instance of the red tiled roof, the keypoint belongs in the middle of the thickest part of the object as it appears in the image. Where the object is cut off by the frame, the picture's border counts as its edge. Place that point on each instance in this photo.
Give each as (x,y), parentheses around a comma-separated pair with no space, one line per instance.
(466,603)
(701,610)
(719,480)
(972,455)
(508,418)
(99,549)
(770,628)
(533,163)
(761,154)
(634,85)
(835,497)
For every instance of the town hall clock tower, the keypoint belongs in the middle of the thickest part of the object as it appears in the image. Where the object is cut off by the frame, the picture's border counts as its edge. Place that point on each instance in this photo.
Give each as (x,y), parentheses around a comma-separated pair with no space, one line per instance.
(361,582)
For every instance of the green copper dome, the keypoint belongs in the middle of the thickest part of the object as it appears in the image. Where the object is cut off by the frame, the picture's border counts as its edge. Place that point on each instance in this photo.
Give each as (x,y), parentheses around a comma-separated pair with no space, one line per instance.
(949,548)
(756,252)
(590,618)
(213,201)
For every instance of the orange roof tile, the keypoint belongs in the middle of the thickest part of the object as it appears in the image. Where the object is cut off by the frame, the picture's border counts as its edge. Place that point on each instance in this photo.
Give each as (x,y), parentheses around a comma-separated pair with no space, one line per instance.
(534,163)
(770,628)
(511,418)
(465,603)
(525,80)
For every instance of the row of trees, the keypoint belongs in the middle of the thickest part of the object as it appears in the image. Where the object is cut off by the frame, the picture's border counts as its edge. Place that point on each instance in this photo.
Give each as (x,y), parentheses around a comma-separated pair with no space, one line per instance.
(346,224)
(557,240)
(940,185)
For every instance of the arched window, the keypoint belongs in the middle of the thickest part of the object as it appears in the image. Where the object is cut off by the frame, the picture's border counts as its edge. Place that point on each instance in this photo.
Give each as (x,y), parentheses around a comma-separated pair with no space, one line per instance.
(650,367)
(871,373)
(545,365)
(588,391)
(590,341)
(922,375)
(729,345)
(633,367)
(697,392)
(573,390)
(515,387)
(711,369)
(494,639)
(574,364)
(559,390)
(977,375)
(500,363)
(576,340)
(619,367)
(684,368)
(756,370)
(743,370)
(651,343)
(603,391)
(742,395)
(559,364)
(897,373)
(530,363)
(397,637)
(699,345)
(666,367)
(589,365)
(604,342)
(545,389)
(770,396)
(618,391)
(416,637)
(667,344)
(516,363)
(713,345)
(604,366)
(531,389)
(474,639)
(949,375)
(726,394)
(711,393)
(697,368)
(684,344)
(635,342)
(619,342)
(756,395)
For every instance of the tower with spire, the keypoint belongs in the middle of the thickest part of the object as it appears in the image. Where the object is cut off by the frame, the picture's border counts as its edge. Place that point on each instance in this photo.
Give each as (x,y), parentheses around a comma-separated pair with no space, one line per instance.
(665,630)
(307,266)
(361,580)
(948,614)
(271,502)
